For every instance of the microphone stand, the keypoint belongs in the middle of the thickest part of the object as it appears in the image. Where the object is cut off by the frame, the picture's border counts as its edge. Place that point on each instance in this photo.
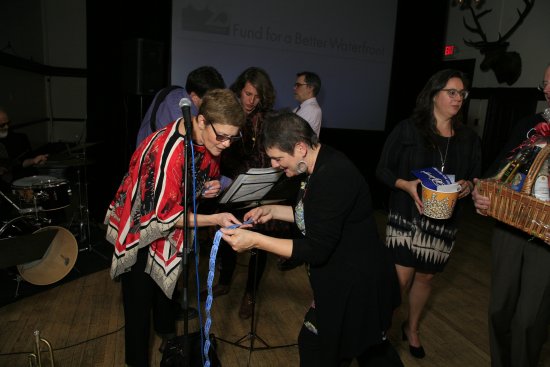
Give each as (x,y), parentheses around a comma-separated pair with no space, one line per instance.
(186,241)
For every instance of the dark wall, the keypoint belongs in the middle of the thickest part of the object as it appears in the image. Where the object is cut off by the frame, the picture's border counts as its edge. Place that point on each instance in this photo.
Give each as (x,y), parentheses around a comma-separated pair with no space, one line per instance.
(114,114)
(418,53)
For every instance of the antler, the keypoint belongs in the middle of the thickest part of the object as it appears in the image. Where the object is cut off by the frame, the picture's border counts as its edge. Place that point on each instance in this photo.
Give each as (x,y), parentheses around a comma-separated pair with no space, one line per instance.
(501,39)
(477,29)
(522,15)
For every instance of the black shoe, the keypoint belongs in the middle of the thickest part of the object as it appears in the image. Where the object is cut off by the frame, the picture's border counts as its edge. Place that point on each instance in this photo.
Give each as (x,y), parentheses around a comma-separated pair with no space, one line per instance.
(288,264)
(416,352)
(164,341)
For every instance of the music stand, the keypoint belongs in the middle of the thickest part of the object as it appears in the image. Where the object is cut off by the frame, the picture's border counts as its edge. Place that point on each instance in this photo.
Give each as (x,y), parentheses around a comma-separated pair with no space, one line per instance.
(256,187)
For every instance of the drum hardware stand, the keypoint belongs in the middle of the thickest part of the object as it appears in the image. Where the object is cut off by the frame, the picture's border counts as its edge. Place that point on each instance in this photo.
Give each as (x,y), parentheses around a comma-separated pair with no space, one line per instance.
(25,212)
(18,279)
(83,212)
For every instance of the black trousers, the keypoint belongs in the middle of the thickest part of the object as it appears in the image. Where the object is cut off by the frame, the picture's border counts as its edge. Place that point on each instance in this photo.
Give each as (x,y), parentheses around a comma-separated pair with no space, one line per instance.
(519,308)
(141,296)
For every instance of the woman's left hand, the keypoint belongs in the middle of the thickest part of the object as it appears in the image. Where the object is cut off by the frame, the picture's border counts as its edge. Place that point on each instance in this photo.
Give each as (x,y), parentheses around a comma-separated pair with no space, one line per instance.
(465,188)
(225,219)
(239,239)
(211,189)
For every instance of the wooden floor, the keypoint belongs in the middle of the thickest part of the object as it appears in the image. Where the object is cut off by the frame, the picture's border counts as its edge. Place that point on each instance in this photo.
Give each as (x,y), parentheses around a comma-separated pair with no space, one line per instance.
(83,319)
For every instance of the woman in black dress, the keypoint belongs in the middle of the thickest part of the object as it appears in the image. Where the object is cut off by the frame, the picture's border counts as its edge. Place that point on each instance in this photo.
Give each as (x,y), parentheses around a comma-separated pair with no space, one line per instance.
(432,137)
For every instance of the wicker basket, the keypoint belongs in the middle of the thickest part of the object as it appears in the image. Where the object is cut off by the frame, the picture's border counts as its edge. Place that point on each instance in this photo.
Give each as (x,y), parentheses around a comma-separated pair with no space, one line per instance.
(520,209)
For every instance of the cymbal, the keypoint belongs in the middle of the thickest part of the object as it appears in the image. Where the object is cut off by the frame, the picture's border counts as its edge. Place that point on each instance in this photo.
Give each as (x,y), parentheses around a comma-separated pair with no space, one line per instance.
(65,163)
(83,146)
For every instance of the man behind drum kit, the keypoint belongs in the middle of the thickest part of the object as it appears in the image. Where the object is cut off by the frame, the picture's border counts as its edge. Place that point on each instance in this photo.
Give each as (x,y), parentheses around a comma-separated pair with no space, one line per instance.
(14,150)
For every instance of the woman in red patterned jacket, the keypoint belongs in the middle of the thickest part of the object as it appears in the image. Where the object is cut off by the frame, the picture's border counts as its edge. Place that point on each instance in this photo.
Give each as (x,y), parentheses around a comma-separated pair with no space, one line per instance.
(145,220)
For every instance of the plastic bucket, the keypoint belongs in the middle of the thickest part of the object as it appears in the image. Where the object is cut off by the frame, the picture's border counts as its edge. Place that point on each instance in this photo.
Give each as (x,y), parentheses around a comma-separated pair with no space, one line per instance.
(438,204)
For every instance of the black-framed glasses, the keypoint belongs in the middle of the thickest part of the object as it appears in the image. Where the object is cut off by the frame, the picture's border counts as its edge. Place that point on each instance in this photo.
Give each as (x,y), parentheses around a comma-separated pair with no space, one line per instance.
(297,85)
(3,124)
(221,137)
(454,93)
(542,86)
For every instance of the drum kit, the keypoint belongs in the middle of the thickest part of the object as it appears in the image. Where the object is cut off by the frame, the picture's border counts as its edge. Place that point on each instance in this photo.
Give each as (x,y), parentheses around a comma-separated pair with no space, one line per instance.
(44,252)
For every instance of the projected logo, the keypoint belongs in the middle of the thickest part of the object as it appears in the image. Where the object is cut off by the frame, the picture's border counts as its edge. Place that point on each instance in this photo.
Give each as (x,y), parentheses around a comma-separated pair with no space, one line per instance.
(206,20)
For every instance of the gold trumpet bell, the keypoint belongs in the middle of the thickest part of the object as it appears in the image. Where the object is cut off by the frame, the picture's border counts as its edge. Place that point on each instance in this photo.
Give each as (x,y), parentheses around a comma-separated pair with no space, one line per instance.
(35,359)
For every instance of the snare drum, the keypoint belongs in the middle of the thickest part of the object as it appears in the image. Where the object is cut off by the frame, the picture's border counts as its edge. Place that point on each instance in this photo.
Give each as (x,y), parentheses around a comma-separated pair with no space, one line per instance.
(41,193)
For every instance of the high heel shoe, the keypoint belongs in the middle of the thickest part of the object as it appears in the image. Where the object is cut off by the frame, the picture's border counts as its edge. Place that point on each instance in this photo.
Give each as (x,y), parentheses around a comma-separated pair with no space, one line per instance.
(416,352)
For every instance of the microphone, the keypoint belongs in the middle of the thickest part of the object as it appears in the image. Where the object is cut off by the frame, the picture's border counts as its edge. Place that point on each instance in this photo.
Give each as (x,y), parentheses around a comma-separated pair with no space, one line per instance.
(185,105)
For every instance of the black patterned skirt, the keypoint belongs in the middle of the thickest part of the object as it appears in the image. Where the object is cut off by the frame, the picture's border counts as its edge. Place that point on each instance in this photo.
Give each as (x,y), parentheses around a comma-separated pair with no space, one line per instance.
(423,243)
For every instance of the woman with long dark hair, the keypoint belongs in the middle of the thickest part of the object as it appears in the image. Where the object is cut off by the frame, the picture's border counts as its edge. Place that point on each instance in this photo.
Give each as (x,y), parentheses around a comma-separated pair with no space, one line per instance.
(255,91)
(433,136)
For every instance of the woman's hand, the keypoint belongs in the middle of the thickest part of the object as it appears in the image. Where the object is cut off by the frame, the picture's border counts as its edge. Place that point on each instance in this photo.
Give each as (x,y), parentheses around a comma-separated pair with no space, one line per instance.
(465,188)
(481,203)
(211,189)
(261,214)
(411,187)
(239,239)
(225,219)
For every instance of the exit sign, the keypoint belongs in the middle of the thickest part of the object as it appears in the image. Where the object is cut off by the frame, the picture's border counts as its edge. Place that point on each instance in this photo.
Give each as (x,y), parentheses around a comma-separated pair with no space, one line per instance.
(449,50)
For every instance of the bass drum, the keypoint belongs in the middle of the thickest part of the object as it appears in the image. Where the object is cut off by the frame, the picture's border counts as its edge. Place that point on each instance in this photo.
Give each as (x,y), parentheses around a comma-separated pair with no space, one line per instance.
(58,259)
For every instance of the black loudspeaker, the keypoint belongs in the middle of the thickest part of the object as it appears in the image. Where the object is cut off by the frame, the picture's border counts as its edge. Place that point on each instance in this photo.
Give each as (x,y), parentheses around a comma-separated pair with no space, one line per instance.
(174,353)
(144,67)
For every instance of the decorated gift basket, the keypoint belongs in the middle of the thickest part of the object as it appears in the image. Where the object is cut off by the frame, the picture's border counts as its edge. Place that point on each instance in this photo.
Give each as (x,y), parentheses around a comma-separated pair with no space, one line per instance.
(519,193)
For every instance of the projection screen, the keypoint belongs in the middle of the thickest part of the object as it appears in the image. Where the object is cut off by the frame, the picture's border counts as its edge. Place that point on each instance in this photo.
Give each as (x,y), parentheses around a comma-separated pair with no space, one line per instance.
(349,44)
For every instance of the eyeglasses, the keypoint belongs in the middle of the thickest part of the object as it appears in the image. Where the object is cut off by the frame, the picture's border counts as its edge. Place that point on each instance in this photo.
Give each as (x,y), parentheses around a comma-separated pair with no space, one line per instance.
(454,93)
(222,137)
(297,85)
(542,86)
(3,124)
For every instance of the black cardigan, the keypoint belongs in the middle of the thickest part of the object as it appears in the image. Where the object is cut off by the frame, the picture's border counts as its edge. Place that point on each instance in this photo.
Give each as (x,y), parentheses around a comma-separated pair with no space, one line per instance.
(405,149)
(351,273)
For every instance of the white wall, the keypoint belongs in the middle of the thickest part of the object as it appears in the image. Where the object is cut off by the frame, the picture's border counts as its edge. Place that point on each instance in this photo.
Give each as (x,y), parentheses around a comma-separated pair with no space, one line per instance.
(531,40)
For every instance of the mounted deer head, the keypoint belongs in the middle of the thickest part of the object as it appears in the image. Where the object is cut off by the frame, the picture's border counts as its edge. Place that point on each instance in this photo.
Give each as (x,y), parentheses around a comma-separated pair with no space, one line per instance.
(505,64)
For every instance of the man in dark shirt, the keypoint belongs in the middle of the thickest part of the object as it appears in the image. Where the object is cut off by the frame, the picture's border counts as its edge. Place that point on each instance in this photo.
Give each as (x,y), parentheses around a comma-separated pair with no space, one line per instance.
(14,152)
(165,107)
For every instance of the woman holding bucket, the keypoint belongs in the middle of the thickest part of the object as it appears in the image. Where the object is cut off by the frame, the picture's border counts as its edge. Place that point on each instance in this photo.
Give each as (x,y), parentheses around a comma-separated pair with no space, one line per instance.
(433,136)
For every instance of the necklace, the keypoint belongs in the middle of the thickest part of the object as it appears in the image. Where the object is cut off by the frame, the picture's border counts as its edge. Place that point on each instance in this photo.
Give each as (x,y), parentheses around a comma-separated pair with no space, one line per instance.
(443,158)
